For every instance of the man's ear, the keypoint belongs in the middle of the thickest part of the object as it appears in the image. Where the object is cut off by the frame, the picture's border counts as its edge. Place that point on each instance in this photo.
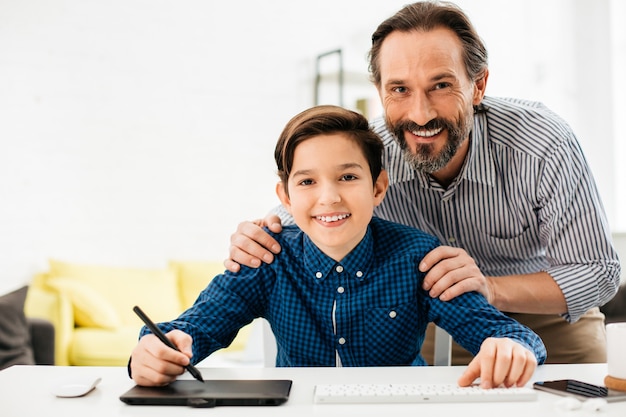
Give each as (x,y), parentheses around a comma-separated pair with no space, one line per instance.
(380,187)
(282,196)
(480,86)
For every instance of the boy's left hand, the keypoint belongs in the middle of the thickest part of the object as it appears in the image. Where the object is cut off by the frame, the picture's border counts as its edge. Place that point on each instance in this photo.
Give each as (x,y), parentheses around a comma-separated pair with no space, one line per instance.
(500,362)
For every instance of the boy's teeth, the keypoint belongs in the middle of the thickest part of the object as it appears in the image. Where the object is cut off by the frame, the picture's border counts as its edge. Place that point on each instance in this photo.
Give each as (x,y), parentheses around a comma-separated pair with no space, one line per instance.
(329,219)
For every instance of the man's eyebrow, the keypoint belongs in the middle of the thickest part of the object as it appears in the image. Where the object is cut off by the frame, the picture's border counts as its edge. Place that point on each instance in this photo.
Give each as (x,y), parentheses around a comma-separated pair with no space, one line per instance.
(434,78)
(395,82)
(443,76)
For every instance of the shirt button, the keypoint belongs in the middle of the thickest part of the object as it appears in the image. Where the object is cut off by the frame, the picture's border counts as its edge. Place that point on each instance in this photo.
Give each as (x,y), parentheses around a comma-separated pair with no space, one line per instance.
(339,268)
(342,341)
(392,314)
(318,275)
(451,239)
(359,274)
(340,290)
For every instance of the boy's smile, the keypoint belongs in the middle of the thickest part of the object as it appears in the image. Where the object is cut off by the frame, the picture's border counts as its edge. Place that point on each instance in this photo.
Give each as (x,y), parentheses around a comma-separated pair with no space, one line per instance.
(331,194)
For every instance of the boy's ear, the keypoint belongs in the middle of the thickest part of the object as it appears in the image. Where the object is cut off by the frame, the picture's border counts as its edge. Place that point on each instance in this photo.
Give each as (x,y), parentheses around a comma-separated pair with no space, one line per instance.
(282,196)
(380,187)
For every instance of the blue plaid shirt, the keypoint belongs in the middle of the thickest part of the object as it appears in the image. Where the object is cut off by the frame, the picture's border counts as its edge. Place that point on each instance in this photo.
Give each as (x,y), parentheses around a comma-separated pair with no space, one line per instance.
(380,310)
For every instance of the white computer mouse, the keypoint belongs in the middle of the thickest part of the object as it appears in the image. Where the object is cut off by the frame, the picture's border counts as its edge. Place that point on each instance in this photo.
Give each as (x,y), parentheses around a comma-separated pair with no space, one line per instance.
(75,386)
(568,403)
(595,404)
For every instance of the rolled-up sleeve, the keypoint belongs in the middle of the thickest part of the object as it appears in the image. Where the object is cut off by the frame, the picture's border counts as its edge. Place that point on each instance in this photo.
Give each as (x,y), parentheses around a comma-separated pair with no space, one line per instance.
(575,232)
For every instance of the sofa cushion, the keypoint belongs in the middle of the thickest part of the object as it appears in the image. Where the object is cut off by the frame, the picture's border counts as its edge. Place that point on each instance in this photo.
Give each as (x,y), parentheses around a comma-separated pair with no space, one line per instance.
(193,277)
(154,290)
(42,302)
(15,345)
(103,347)
(90,308)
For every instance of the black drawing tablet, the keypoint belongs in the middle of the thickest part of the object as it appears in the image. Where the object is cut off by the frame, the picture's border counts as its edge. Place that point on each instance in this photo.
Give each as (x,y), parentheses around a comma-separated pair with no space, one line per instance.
(212,393)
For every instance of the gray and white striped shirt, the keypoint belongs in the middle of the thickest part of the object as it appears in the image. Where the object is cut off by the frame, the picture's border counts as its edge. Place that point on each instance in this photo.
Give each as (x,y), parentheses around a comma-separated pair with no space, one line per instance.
(525,201)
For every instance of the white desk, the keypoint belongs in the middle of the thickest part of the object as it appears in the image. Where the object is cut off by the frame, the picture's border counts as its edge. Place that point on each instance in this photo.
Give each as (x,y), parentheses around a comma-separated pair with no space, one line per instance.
(25,391)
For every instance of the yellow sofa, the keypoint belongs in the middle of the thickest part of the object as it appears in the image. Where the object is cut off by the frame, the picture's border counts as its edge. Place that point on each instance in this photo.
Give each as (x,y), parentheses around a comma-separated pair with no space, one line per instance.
(90,306)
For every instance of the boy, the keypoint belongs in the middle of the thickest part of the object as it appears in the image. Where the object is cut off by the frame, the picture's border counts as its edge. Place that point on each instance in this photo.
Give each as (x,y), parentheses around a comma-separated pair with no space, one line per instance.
(346,288)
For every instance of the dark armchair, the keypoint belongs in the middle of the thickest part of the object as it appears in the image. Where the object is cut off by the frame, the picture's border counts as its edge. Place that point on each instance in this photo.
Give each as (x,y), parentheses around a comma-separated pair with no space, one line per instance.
(23,341)
(615,310)
(41,340)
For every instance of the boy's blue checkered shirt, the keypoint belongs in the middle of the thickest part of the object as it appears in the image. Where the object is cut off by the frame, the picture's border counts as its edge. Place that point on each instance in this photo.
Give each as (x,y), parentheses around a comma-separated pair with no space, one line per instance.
(381,311)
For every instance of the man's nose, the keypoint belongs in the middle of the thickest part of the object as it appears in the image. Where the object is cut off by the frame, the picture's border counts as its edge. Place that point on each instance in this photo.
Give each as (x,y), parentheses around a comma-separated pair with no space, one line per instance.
(421,110)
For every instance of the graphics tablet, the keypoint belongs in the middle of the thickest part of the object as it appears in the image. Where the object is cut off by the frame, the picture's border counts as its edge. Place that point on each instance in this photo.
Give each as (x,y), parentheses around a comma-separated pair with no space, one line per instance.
(212,393)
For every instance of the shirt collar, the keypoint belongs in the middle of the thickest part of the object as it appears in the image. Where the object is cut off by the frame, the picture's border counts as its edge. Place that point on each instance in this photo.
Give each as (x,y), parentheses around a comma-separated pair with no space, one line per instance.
(355,265)
(479,165)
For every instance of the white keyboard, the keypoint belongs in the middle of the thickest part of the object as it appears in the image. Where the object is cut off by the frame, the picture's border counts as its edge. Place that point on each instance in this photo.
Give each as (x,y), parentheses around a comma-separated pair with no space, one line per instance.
(417,393)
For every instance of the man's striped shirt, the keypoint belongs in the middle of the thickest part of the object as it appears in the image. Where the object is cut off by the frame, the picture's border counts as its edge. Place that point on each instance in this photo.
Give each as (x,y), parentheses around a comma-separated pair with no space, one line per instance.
(525,201)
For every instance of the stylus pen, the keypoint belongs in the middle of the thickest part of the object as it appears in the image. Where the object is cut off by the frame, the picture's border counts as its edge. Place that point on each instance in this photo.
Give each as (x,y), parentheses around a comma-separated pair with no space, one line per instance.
(158,333)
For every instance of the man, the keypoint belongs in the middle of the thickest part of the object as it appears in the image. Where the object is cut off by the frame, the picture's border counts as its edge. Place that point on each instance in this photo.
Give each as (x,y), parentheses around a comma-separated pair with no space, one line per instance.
(502,182)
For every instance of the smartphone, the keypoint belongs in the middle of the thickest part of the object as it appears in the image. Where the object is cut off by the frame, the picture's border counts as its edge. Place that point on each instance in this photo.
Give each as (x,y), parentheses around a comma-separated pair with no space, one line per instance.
(581,390)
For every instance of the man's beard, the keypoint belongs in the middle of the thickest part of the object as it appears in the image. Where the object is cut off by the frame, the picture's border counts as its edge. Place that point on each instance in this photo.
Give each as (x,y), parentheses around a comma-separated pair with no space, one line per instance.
(425,158)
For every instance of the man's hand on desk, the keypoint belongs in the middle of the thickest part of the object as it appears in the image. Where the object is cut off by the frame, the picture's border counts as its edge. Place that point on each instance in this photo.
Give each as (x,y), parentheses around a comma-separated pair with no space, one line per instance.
(500,362)
(155,364)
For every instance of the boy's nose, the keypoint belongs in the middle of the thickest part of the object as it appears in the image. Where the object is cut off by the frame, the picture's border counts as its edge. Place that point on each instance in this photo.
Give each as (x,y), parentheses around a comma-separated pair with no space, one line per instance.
(330,195)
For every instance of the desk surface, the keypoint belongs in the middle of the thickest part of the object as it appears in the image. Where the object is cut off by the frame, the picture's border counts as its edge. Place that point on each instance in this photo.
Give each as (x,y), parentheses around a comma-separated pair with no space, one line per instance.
(25,391)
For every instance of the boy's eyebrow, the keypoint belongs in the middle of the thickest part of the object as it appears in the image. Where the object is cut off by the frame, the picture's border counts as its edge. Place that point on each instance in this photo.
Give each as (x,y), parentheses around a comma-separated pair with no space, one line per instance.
(347,165)
(302,172)
(350,165)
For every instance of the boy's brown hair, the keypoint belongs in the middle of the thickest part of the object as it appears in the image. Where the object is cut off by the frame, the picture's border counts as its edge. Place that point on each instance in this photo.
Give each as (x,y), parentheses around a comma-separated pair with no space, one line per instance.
(326,120)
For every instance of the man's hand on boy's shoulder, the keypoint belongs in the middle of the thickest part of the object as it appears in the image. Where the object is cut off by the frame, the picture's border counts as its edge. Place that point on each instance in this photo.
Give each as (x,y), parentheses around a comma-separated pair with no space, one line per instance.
(500,362)
(250,245)
(451,272)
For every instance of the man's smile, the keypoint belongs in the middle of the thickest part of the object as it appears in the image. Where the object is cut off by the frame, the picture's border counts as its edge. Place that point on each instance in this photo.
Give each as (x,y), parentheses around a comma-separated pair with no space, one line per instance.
(426,133)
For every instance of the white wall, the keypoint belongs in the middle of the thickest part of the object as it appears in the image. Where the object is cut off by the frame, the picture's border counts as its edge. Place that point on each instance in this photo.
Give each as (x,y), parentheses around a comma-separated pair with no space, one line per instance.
(618,86)
(137,131)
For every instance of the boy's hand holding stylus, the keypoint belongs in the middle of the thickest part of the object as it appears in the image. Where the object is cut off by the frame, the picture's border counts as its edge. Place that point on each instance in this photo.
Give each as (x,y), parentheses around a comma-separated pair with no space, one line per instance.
(165,366)
(153,363)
